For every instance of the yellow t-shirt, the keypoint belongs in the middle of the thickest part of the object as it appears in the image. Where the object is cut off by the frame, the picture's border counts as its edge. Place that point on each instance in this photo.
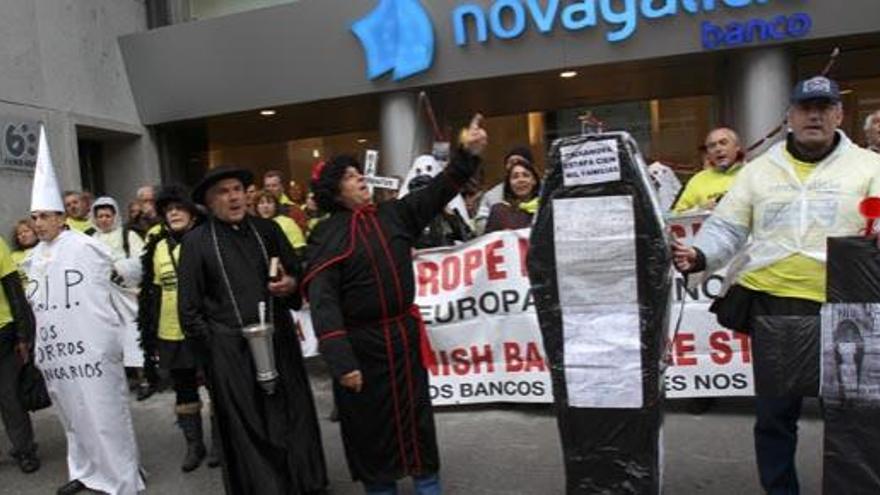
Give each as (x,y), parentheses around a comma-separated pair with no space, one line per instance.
(18,258)
(154,231)
(79,225)
(704,188)
(291,230)
(165,276)
(7,266)
(797,275)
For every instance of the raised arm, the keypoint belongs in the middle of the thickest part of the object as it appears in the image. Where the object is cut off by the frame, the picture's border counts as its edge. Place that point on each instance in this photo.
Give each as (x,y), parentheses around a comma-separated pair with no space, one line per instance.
(419,207)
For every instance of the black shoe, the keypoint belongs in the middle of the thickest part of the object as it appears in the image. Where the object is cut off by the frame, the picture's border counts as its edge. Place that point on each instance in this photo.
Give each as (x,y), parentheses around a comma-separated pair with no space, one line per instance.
(214,458)
(70,488)
(145,391)
(191,424)
(28,463)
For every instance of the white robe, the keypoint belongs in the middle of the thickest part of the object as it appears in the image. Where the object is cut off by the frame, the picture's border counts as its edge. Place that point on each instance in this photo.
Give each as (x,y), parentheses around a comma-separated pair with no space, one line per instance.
(79,350)
(129,268)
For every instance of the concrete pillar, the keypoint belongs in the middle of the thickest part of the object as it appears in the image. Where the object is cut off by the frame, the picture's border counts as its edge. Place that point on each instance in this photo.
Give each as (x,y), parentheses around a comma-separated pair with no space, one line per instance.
(404,133)
(756,91)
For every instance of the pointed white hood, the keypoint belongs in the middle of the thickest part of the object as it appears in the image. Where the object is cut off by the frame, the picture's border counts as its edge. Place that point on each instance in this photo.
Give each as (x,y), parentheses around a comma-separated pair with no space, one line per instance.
(45,195)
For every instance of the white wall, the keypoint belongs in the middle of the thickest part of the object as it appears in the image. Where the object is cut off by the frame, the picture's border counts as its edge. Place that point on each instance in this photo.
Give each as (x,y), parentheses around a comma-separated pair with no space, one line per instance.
(61,65)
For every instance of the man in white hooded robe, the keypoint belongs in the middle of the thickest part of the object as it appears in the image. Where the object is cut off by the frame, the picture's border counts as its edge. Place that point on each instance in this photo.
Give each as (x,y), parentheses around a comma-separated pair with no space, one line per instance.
(78,346)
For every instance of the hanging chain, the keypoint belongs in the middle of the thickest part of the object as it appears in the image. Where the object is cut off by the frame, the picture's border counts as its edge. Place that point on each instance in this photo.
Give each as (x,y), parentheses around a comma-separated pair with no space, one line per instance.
(226,275)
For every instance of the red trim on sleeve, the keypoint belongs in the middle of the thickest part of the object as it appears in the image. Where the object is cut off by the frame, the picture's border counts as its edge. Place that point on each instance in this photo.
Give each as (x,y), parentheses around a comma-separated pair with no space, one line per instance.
(335,334)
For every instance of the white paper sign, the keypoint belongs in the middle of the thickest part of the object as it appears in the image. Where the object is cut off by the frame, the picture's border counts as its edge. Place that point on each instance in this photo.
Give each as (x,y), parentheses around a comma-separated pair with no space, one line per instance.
(383,182)
(851,354)
(603,357)
(592,162)
(371,159)
(598,292)
(595,250)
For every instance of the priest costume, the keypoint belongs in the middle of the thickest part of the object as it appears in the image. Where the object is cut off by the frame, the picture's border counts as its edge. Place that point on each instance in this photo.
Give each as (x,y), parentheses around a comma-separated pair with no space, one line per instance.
(270,440)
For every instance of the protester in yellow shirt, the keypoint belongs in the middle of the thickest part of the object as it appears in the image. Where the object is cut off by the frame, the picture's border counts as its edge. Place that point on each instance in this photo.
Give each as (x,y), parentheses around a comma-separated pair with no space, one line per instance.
(268,208)
(776,219)
(161,332)
(16,340)
(77,213)
(25,238)
(704,190)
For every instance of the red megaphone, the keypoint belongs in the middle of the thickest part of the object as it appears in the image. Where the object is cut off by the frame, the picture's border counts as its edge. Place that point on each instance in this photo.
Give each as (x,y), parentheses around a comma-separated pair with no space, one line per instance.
(870,209)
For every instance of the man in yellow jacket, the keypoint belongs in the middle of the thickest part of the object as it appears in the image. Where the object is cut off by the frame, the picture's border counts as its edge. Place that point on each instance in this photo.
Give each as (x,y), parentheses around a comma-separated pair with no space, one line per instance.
(725,156)
(789,200)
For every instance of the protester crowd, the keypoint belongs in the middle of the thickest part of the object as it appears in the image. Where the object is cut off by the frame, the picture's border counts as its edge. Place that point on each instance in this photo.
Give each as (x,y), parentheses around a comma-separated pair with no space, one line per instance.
(191,270)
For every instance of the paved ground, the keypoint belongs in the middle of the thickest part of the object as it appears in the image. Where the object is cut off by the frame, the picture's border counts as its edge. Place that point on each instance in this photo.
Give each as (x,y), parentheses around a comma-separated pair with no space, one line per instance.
(485,451)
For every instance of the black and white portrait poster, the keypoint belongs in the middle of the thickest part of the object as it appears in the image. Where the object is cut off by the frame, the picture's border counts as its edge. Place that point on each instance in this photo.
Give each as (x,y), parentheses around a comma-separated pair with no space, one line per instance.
(851,353)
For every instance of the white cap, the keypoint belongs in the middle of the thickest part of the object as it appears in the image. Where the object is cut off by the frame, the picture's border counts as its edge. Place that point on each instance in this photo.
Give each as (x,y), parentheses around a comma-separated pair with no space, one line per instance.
(45,196)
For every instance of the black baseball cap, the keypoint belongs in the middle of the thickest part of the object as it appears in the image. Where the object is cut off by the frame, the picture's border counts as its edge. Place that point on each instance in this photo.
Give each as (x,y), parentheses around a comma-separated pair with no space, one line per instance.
(816,88)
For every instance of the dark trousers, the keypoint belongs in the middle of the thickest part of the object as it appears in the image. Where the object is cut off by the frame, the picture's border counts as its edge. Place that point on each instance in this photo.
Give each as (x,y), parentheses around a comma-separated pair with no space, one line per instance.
(16,420)
(781,372)
(186,385)
(776,443)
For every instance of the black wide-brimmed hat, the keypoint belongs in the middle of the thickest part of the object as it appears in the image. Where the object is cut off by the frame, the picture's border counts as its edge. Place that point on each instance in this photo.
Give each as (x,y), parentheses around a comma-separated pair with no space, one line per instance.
(174,194)
(215,175)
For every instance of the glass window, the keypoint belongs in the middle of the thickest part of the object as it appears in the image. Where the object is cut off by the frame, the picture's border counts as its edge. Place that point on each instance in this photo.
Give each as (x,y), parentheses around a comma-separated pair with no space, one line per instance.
(668,130)
(294,158)
(204,9)
(861,98)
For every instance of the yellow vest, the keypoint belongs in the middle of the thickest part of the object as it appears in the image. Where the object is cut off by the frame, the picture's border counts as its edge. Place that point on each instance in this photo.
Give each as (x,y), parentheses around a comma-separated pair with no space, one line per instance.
(291,230)
(7,266)
(704,188)
(154,231)
(791,209)
(18,257)
(79,225)
(165,276)
(313,222)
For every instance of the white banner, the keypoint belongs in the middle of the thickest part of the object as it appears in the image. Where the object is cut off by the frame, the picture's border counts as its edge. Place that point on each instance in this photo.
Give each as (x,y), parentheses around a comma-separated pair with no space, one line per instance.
(476,301)
(707,360)
(481,318)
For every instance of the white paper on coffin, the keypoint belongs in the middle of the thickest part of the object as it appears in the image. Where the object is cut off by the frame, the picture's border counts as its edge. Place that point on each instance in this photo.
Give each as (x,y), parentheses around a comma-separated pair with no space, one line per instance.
(598,293)
(603,357)
(595,250)
(590,162)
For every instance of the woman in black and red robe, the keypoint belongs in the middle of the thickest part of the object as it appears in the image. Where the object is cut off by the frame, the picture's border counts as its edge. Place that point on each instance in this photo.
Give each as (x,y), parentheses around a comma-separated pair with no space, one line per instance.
(361,287)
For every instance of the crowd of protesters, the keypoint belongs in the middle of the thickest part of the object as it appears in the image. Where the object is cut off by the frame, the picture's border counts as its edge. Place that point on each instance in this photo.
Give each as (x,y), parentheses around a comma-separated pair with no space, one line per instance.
(257,217)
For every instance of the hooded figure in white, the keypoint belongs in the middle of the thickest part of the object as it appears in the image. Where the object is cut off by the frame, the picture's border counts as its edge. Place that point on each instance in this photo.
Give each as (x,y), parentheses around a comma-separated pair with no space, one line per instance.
(78,346)
(126,246)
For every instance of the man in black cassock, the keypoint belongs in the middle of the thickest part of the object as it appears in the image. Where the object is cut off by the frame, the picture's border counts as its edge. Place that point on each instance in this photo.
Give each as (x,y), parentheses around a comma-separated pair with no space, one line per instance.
(271,443)
(361,287)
